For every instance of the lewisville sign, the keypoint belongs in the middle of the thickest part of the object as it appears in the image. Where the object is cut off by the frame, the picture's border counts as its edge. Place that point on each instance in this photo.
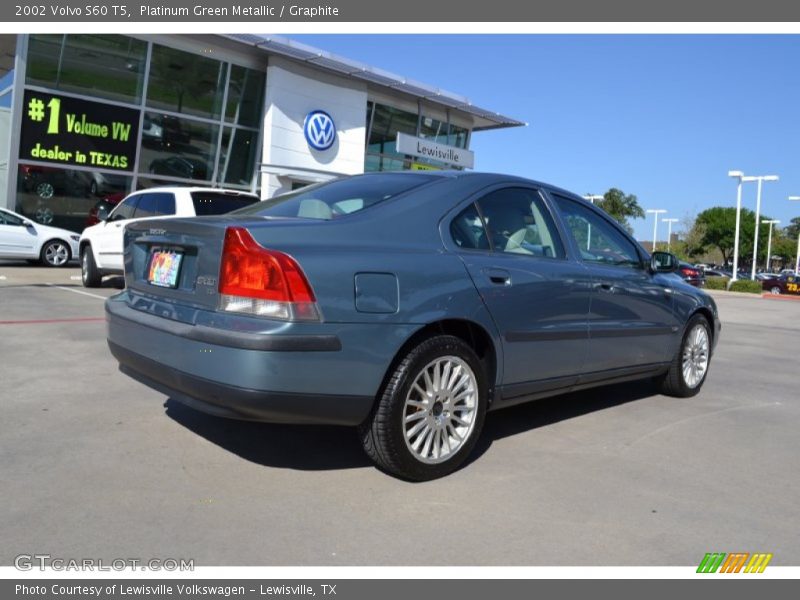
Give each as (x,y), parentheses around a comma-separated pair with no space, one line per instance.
(70,131)
(415,146)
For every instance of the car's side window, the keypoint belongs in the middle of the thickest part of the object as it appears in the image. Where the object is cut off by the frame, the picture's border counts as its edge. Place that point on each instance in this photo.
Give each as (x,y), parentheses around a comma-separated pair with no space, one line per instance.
(468,231)
(165,204)
(7,219)
(518,222)
(146,207)
(124,209)
(598,240)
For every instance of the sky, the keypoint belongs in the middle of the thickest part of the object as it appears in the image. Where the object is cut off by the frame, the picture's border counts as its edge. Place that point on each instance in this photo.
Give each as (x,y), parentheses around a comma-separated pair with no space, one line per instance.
(664,117)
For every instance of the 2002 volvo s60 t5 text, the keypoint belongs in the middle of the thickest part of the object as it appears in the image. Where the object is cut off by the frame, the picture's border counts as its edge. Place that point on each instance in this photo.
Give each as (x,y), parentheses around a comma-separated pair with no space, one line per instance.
(406,304)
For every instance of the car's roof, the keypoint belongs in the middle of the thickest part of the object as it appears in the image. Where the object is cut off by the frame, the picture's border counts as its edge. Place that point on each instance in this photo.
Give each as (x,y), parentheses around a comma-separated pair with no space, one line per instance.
(184,188)
(488,177)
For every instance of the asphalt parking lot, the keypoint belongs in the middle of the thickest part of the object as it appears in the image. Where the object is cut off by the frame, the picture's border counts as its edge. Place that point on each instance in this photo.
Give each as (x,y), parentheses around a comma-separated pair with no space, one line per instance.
(97,465)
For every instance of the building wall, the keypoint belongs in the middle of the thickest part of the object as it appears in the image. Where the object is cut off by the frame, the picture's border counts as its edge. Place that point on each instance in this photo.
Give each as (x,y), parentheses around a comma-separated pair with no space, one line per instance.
(292,92)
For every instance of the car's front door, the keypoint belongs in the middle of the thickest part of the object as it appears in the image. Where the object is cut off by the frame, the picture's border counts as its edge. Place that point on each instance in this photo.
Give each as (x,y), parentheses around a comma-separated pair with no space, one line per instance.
(538,298)
(16,240)
(110,234)
(632,321)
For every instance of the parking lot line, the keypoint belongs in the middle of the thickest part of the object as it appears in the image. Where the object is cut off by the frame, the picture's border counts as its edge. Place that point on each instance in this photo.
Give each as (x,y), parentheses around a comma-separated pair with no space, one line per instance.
(76,291)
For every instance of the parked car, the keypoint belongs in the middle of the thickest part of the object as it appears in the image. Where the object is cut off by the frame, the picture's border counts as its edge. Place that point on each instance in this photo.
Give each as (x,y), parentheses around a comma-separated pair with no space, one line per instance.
(713,273)
(101,244)
(691,275)
(782,284)
(407,304)
(22,238)
(180,166)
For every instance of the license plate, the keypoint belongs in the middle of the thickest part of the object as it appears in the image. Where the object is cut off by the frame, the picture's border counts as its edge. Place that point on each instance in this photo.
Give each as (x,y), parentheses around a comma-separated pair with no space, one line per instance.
(164,268)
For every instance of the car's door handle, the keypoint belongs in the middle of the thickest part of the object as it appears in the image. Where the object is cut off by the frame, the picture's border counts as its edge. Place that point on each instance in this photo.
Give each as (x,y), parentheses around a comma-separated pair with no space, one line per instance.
(605,287)
(498,276)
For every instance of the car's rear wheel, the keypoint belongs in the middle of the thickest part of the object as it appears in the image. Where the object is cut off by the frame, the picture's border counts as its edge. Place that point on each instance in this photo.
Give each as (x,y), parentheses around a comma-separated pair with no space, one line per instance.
(90,275)
(430,412)
(689,367)
(43,215)
(55,253)
(775,290)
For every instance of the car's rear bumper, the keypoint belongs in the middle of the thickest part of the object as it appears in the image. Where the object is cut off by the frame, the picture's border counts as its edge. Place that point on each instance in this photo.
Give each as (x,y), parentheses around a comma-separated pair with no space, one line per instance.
(277,372)
(242,403)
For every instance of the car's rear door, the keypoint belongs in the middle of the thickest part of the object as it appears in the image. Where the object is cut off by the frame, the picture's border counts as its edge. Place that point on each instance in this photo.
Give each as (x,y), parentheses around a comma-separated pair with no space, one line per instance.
(632,322)
(538,297)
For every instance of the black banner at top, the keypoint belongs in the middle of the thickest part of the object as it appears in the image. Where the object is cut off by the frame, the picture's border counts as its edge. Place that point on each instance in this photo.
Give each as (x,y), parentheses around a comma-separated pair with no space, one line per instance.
(346,11)
(70,131)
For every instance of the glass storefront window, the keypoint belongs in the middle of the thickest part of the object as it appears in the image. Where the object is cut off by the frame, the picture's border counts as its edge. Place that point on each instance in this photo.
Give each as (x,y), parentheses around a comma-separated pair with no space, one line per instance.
(438,131)
(186,83)
(387,121)
(176,147)
(105,66)
(237,156)
(245,97)
(66,197)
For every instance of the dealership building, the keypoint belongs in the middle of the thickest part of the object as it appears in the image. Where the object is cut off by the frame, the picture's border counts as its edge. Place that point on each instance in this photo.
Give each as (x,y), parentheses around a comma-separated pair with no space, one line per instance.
(85,119)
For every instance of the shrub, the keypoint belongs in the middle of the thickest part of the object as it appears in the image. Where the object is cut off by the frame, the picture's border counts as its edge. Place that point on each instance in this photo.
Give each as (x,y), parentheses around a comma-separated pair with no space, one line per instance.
(747,286)
(717,283)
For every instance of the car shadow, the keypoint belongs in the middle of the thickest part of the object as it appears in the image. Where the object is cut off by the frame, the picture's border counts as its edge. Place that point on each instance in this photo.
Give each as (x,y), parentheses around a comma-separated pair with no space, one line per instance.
(301,447)
(518,419)
(318,447)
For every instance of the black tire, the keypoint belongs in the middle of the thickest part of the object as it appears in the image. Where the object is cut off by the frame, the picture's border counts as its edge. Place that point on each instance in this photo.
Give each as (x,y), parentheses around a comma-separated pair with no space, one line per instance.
(45,189)
(386,434)
(90,275)
(55,253)
(674,383)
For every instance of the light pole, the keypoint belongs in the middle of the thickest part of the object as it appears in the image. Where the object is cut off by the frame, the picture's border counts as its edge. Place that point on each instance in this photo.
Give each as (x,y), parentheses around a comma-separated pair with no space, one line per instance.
(797,258)
(591,198)
(758,218)
(742,177)
(669,231)
(656,212)
(769,222)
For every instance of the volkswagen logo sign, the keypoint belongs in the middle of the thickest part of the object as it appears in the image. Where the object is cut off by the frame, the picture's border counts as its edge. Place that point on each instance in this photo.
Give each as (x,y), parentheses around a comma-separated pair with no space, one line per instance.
(319,130)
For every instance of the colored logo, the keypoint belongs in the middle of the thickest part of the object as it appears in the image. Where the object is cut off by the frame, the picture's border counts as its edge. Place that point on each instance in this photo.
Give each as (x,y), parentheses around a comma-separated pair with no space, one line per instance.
(319,130)
(714,562)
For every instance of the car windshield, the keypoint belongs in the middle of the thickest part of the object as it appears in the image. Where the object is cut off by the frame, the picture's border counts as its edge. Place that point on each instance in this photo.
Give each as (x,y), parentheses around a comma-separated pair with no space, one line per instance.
(334,199)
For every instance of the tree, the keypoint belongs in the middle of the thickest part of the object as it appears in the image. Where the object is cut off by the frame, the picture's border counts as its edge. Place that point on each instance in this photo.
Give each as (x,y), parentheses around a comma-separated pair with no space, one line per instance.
(793,229)
(694,232)
(720,228)
(621,206)
(720,223)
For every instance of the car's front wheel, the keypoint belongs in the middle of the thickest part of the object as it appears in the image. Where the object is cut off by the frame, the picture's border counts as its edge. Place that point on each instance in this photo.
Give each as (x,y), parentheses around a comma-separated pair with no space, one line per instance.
(55,253)
(430,412)
(689,367)
(90,275)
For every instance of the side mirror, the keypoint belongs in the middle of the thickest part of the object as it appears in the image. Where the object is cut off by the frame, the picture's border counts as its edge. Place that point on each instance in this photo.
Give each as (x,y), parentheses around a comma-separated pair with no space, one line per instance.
(663,262)
(102,213)
(26,223)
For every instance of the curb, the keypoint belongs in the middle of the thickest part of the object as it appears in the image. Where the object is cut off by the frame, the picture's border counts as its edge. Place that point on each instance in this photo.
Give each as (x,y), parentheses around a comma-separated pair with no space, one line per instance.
(737,294)
(780,297)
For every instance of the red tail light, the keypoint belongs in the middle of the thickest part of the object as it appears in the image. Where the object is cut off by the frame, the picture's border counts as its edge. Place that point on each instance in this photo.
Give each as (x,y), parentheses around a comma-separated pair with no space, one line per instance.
(690,272)
(259,281)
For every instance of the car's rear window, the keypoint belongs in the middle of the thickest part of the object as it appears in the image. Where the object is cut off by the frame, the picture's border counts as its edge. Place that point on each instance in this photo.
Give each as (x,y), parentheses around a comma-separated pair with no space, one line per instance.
(217,203)
(337,198)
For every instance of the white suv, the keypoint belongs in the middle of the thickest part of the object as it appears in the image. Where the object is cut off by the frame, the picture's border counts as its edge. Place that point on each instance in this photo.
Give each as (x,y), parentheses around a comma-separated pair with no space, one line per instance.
(101,244)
